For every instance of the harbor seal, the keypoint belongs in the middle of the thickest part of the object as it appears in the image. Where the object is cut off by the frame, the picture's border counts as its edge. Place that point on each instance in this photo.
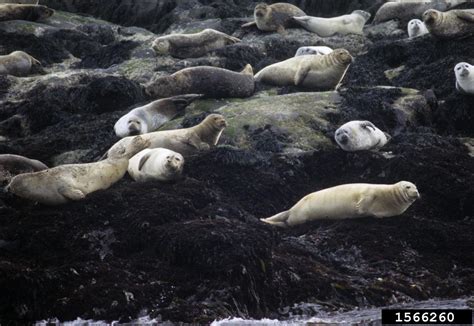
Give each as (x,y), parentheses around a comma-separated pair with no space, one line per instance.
(64,183)
(325,27)
(150,117)
(186,141)
(464,78)
(210,81)
(359,136)
(416,28)
(275,17)
(11,165)
(349,201)
(195,45)
(17,63)
(24,12)
(156,164)
(314,50)
(322,72)
(406,10)
(450,24)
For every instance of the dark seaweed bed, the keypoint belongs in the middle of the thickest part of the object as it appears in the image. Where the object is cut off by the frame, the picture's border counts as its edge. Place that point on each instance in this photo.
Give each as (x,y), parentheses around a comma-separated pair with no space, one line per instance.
(194,250)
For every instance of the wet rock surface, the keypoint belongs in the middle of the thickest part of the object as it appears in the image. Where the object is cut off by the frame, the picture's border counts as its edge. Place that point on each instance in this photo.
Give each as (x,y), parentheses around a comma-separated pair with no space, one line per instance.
(194,250)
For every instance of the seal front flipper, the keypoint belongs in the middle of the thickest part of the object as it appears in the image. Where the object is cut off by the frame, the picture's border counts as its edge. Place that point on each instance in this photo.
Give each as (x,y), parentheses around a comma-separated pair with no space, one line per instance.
(368,125)
(248,24)
(459,88)
(280,219)
(301,73)
(282,31)
(143,160)
(70,193)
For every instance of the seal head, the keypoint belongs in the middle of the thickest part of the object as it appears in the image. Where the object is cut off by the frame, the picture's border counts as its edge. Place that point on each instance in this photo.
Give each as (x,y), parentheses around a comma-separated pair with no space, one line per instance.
(464,78)
(360,135)
(431,16)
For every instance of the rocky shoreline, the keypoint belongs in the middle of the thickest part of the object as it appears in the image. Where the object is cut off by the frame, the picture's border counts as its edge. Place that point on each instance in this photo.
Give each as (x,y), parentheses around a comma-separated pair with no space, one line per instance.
(194,251)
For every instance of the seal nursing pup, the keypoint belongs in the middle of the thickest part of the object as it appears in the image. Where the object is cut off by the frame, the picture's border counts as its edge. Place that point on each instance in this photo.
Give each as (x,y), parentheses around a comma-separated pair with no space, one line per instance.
(275,17)
(17,63)
(195,45)
(210,81)
(186,141)
(24,12)
(322,72)
(450,24)
(159,164)
(464,78)
(64,183)
(325,27)
(360,135)
(349,201)
(150,117)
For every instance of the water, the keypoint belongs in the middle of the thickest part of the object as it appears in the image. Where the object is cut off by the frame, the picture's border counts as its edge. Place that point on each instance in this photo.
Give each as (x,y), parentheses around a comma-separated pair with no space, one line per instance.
(365,316)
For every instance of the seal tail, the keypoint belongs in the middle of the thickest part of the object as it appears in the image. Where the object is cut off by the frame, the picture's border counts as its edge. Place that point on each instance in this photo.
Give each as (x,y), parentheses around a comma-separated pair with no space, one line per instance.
(280,219)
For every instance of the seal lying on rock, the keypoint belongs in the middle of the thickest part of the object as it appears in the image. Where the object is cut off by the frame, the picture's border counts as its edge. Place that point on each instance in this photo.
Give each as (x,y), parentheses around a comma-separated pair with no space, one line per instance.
(156,164)
(186,141)
(323,72)
(349,201)
(210,81)
(275,17)
(406,10)
(150,117)
(416,28)
(64,183)
(11,165)
(314,50)
(464,78)
(450,24)
(192,45)
(17,63)
(24,12)
(360,135)
(325,27)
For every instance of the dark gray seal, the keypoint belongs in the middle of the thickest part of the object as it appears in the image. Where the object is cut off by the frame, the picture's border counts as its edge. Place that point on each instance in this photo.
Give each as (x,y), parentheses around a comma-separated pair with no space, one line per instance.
(210,81)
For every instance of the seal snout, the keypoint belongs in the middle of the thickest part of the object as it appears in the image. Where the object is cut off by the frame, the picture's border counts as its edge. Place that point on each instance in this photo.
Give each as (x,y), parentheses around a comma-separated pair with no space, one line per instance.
(462,69)
(342,137)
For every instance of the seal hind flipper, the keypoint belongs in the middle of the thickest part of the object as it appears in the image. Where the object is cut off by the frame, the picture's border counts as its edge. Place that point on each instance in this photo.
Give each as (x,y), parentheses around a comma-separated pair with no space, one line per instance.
(184,100)
(248,70)
(280,219)
(232,39)
(389,138)
(72,194)
(465,15)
